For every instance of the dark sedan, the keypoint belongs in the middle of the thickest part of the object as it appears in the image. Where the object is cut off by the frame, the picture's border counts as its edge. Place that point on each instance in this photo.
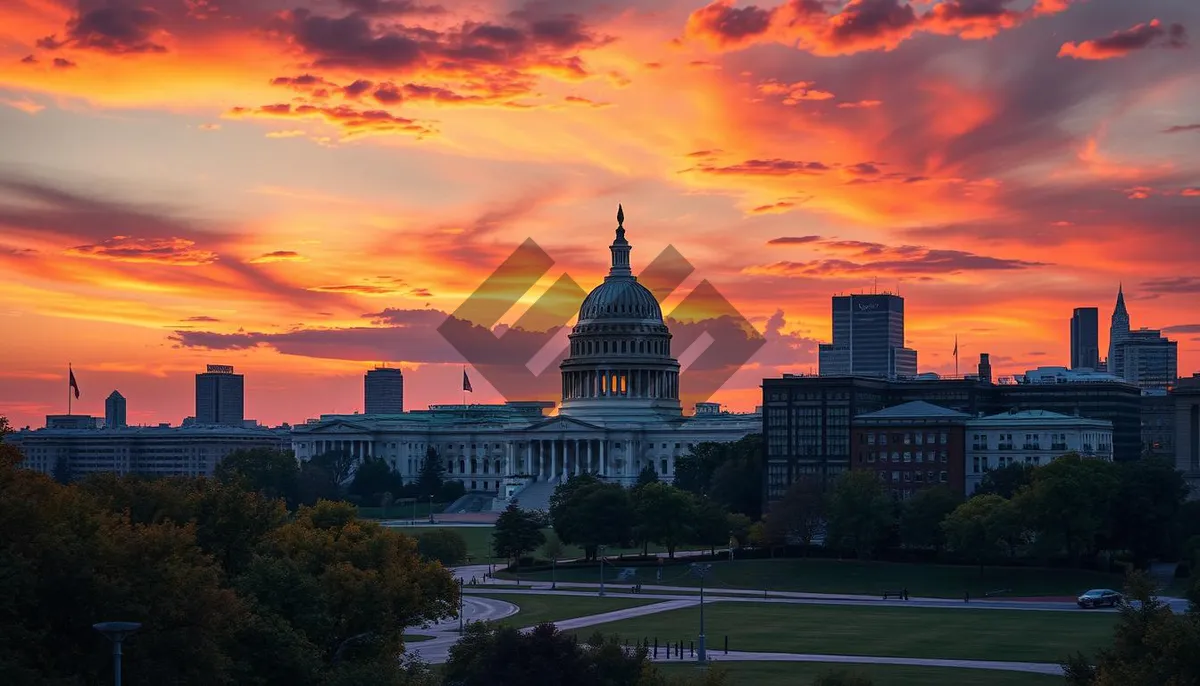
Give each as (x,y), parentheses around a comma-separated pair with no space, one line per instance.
(1099,597)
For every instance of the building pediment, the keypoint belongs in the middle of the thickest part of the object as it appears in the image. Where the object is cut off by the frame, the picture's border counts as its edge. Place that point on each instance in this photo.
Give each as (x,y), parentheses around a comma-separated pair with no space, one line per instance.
(562,423)
(338,427)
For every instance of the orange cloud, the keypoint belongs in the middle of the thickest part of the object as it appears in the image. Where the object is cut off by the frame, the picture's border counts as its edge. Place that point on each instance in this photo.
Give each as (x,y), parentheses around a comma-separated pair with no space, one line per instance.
(858,26)
(24,104)
(1121,43)
(352,122)
(176,251)
(278,256)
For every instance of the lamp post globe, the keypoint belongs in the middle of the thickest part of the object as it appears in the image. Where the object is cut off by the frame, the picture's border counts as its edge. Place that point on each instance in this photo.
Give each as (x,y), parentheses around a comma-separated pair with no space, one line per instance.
(117,632)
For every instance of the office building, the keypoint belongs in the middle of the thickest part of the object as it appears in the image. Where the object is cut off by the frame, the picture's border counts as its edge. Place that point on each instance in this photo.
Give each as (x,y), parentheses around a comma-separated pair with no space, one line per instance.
(868,338)
(1187,431)
(1085,338)
(1118,330)
(911,447)
(807,419)
(114,410)
(1150,360)
(1032,437)
(72,421)
(1158,424)
(220,396)
(383,390)
(149,451)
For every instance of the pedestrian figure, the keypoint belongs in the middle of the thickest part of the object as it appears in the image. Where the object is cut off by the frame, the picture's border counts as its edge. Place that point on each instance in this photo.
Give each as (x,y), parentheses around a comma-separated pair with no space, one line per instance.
(967,597)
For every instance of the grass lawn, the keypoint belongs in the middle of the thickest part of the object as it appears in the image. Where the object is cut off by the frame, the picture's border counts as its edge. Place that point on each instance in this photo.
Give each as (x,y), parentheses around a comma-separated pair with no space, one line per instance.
(855,577)
(400,511)
(1012,635)
(802,674)
(536,609)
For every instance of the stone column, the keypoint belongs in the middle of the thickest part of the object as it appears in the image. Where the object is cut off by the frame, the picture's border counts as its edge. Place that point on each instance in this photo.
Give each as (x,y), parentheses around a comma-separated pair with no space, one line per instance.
(604,456)
(591,467)
(575,446)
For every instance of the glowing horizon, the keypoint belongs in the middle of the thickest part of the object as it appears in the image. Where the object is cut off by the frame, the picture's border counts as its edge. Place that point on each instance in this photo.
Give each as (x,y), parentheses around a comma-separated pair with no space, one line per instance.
(304,189)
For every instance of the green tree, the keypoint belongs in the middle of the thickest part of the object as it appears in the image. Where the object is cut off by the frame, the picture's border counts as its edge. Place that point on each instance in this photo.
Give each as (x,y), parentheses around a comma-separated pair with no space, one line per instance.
(338,464)
(737,483)
(62,470)
(979,528)
(429,481)
(1149,499)
(922,516)
(1070,503)
(516,532)
(1152,646)
(274,473)
(444,545)
(1006,481)
(665,515)
(798,515)
(648,475)
(373,478)
(553,548)
(489,655)
(860,513)
(739,528)
(587,512)
(710,523)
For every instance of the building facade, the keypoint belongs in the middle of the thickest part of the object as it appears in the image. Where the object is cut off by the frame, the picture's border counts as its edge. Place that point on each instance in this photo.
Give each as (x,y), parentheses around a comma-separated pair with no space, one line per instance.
(619,411)
(220,396)
(807,419)
(1085,338)
(911,447)
(1187,430)
(383,391)
(149,451)
(114,411)
(868,338)
(1032,437)
(1158,424)
(1150,360)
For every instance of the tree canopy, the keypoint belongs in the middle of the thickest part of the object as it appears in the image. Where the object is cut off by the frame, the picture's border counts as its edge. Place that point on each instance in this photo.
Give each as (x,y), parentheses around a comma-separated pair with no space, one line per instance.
(587,512)
(229,588)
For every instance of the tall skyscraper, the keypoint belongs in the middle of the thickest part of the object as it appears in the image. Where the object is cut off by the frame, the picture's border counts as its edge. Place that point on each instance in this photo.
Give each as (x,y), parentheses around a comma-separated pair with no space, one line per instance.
(1085,338)
(384,391)
(114,410)
(220,396)
(868,338)
(1117,332)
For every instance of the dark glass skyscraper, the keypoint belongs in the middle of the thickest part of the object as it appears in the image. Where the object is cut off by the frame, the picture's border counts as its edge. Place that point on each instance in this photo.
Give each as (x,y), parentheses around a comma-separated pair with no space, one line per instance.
(220,396)
(384,391)
(114,411)
(1085,338)
(868,338)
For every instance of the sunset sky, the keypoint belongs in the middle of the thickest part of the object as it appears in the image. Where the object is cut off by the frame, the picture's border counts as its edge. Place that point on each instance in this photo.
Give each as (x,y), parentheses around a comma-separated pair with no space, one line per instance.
(305,188)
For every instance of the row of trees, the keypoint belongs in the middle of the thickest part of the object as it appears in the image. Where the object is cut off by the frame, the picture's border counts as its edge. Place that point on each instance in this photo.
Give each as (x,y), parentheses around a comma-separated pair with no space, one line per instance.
(1070,508)
(231,587)
(336,475)
(590,513)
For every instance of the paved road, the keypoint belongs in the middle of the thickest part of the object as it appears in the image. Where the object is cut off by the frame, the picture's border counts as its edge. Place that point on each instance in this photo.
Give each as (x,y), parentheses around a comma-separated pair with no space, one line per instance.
(740,656)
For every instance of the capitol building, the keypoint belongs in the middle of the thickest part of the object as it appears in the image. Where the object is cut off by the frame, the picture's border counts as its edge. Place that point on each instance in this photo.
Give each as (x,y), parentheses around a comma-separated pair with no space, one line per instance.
(619,411)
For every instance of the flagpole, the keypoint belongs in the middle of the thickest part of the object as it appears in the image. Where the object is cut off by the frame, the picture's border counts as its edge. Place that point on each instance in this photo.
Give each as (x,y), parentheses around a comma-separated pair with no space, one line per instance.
(956,356)
(70,390)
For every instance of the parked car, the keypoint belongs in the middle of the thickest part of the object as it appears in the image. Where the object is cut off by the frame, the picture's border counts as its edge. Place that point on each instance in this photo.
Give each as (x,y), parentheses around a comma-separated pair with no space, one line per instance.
(1099,597)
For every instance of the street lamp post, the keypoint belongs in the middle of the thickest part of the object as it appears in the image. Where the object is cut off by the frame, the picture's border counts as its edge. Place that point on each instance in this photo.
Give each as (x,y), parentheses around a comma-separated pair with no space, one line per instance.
(414,512)
(460,605)
(600,557)
(554,574)
(117,632)
(700,571)
(431,509)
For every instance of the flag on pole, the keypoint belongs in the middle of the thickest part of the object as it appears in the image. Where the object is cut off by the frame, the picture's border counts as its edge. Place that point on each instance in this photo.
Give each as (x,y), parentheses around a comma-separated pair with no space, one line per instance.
(466,383)
(74,385)
(956,346)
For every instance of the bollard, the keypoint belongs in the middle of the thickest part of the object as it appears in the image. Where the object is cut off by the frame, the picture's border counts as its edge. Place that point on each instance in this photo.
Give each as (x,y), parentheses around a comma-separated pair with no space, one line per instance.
(726,644)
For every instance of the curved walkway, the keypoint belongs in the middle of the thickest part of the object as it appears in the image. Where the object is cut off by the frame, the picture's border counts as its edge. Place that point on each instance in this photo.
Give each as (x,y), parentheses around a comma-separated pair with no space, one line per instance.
(477,608)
